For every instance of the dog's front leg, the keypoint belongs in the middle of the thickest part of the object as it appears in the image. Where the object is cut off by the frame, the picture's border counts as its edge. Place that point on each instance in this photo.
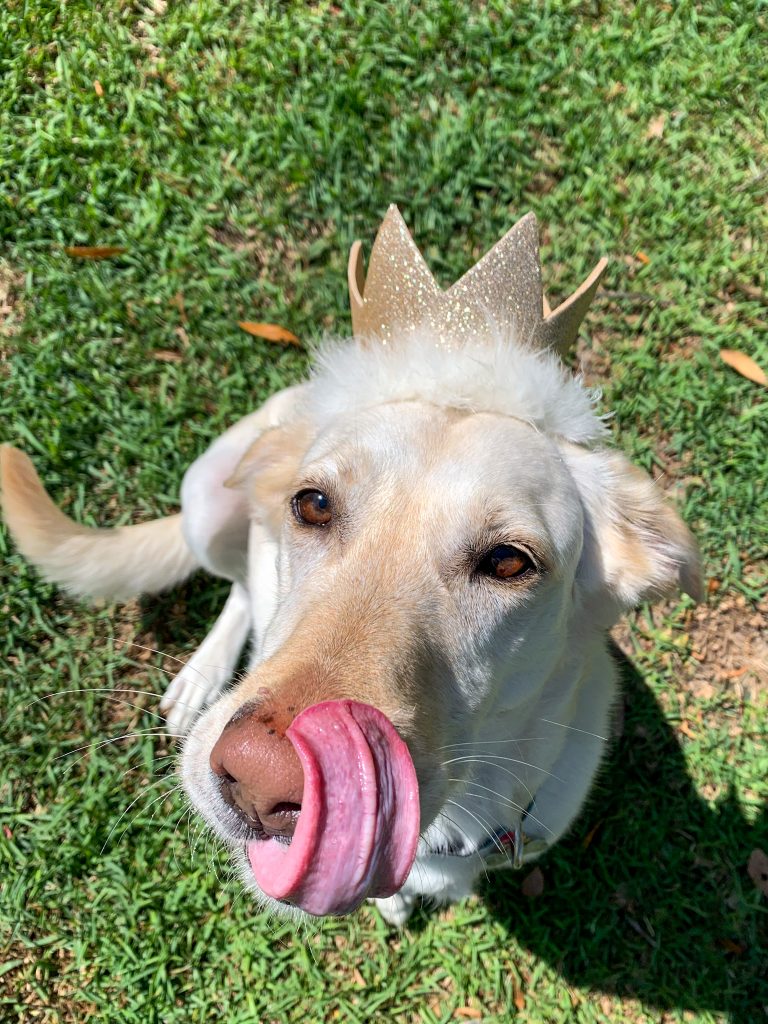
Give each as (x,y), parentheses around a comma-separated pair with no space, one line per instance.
(211,666)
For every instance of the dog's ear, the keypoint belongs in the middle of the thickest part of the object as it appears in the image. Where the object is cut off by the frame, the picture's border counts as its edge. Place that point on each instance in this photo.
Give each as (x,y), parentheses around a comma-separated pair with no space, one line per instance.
(267,469)
(636,547)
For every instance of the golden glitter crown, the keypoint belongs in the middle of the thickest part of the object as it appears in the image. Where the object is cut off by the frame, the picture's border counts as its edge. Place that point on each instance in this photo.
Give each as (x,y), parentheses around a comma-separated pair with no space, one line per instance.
(503,290)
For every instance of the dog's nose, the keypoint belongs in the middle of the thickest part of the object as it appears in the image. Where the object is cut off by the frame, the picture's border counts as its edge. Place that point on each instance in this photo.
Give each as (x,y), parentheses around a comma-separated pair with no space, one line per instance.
(260,773)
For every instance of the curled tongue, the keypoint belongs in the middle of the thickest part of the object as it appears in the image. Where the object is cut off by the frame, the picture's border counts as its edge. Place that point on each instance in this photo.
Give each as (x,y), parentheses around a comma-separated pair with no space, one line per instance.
(357,831)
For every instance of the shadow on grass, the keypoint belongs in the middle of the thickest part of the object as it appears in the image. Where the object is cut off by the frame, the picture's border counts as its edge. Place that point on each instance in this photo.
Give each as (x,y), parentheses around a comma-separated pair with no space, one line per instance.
(658,906)
(184,615)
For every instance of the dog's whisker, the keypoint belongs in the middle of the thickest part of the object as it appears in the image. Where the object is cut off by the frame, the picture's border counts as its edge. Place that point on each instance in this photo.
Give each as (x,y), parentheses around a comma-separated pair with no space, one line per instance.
(573,728)
(497,843)
(484,825)
(109,690)
(462,833)
(452,821)
(489,758)
(222,868)
(211,866)
(186,815)
(205,685)
(158,762)
(198,836)
(492,835)
(505,800)
(487,743)
(127,810)
(152,650)
(162,796)
(497,768)
(89,747)
(491,799)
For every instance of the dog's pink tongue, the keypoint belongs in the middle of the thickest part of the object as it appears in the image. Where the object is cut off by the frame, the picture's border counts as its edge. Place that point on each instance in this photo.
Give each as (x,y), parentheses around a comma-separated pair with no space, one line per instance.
(358,828)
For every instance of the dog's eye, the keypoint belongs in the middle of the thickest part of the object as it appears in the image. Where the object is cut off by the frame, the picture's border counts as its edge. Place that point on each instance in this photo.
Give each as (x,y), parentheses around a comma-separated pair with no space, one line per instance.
(505,563)
(312,507)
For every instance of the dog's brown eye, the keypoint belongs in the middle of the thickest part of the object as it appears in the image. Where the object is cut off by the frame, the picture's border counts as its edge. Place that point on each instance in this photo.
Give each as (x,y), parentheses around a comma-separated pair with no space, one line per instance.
(505,563)
(312,507)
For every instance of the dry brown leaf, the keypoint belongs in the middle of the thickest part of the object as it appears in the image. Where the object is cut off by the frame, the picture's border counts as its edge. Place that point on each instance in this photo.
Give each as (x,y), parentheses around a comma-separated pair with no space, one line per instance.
(468,1013)
(518,998)
(272,332)
(757,868)
(643,257)
(733,673)
(587,840)
(731,947)
(656,127)
(93,252)
(686,730)
(178,302)
(98,88)
(744,365)
(533,884)
(165,355)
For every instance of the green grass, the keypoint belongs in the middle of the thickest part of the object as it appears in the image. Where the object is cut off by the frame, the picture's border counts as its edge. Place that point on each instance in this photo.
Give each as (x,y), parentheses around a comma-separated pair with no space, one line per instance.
(235,153)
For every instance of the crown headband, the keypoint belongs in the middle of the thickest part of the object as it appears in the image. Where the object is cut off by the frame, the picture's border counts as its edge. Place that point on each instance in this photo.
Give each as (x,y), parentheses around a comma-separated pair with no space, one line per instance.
(503,289)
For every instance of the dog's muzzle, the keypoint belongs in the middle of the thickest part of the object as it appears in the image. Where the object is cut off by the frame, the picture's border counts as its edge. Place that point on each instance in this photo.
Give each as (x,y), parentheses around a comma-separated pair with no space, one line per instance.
(332,801)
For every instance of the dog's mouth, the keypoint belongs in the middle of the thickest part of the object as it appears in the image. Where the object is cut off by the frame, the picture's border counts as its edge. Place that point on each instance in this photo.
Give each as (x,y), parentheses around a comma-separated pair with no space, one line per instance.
(358,827)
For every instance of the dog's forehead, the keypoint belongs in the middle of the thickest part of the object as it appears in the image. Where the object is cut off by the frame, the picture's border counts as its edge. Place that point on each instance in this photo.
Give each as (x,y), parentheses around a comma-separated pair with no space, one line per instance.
(507,475)
(484,462)
(393,435)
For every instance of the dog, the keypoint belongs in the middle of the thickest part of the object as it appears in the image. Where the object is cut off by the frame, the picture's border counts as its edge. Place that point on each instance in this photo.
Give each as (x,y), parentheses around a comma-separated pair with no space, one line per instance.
(427,543)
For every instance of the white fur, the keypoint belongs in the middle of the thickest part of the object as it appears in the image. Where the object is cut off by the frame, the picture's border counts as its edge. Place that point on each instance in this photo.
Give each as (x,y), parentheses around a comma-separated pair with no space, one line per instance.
(490,374)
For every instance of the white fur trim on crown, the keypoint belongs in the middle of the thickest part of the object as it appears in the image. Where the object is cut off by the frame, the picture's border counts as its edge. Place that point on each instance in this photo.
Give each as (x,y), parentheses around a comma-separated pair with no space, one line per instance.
(488,375)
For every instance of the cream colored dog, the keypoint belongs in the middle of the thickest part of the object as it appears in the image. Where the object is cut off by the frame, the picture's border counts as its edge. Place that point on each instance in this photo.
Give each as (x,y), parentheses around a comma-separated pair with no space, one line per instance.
(427,543)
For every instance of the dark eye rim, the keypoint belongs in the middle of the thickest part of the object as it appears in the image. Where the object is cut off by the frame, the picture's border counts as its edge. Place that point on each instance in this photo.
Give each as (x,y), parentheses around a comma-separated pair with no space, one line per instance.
(484,570)
(297,512)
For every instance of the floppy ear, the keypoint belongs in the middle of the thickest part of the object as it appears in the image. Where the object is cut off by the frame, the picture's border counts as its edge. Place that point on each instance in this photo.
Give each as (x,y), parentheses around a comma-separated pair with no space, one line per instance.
(266,471)
(636,547)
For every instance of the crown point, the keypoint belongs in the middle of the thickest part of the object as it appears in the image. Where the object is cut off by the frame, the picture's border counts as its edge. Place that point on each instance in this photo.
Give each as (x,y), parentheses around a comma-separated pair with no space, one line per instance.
(356,281)
(561,327)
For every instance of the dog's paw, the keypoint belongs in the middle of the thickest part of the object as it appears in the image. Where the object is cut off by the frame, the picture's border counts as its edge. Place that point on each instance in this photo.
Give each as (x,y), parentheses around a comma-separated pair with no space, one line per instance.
(395,909)
(188,693)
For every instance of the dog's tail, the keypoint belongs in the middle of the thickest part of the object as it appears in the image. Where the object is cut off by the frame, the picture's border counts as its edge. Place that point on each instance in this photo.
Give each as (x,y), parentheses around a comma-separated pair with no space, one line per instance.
(115,564)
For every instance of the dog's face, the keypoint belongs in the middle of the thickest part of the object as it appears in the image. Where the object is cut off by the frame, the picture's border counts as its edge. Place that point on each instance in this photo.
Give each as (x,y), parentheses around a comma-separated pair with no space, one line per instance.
(438,565)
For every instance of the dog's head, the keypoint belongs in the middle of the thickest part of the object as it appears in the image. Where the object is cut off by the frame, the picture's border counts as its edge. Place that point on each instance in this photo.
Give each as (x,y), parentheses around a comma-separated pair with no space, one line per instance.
(451,539)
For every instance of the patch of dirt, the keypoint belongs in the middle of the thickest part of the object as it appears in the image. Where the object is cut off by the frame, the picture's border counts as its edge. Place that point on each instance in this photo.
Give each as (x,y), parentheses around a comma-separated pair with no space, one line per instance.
(39,987)
(11,310)
(145,29)
(277,258)
(717,654)
(729,644)
(250,241)
(593,357)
